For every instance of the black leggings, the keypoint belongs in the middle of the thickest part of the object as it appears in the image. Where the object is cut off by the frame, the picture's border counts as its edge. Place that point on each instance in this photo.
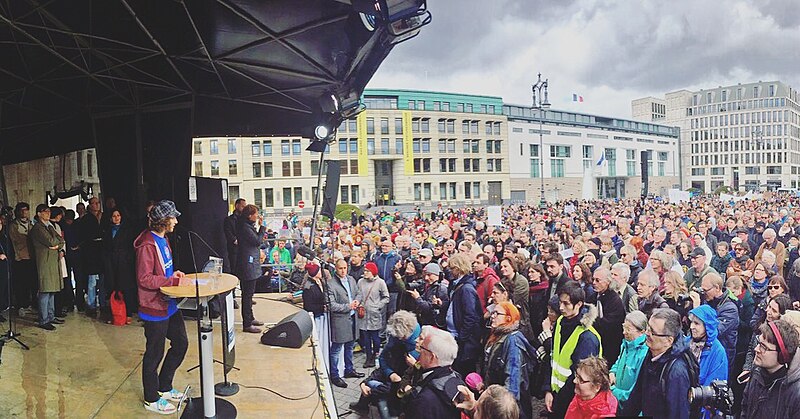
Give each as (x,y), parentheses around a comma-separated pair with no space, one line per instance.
(248,289)
(173,329)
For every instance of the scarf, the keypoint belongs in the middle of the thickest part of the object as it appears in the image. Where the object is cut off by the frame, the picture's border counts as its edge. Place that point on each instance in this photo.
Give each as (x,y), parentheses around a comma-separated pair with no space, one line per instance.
(500,331)
(742,260)
(541,286)
(697,348)
(759,287)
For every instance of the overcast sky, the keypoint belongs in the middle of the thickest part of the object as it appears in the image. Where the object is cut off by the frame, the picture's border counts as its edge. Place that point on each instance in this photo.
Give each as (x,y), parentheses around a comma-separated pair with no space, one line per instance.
(608,51)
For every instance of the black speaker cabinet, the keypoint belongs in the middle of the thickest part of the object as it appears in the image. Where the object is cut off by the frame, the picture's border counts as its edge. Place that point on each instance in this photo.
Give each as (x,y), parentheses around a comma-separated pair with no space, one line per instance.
(290,332)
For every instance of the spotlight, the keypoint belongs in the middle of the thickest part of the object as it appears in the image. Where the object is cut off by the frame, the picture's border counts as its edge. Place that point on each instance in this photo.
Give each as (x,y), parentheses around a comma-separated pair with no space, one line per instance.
(328,103)
(322,132)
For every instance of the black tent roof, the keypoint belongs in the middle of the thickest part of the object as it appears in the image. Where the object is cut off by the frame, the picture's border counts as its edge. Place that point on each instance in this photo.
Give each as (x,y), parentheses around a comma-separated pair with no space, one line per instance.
(244,67)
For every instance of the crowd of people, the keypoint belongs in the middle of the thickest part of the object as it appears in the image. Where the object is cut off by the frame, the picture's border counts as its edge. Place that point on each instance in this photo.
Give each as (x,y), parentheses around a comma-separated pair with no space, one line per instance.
(598,308)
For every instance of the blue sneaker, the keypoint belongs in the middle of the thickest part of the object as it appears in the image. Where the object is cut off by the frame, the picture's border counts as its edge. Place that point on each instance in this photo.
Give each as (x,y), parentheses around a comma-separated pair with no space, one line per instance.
(172,395)
(161,406)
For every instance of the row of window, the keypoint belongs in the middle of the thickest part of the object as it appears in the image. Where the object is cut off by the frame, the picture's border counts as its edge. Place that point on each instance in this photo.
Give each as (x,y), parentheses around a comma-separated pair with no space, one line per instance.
(756,132)
(233,168)
(265,198)
(737,106)
(748,170)
(565,151)
(421,125)
(390,102)
(288,168)
(740,145)
(557,167)
(744,119)
(447,191)
(423,165)
(741,158)
(739,94)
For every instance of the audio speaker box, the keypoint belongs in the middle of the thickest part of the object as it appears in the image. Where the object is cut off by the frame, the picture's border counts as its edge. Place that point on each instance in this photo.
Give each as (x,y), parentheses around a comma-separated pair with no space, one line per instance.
(645,175)
(291,332)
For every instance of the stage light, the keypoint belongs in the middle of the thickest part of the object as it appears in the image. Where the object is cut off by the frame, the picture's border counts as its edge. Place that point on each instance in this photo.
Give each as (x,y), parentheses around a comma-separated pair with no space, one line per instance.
(322,132)
(329,103)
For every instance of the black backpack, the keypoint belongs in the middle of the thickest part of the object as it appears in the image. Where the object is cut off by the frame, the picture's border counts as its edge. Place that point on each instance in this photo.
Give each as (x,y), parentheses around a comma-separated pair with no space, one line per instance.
(693,369)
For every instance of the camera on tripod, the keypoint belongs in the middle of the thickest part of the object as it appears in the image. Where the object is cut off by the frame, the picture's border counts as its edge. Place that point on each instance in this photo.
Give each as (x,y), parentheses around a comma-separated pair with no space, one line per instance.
(718,397)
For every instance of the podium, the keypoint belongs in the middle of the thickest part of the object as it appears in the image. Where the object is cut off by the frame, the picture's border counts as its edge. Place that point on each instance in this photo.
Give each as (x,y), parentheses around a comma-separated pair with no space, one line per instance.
(207,405)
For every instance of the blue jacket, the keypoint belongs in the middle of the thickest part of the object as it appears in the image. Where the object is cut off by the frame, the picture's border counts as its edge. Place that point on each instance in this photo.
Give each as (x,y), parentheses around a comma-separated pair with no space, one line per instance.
(386,262)
(728,317)
(667,400)
(713,361)
(511,365)
(393,354)
(467,317)
(627,367)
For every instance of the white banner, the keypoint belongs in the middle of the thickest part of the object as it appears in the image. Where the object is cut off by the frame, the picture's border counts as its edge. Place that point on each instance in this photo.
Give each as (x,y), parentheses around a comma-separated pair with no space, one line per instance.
(495,215)
(676,195)
(229,316)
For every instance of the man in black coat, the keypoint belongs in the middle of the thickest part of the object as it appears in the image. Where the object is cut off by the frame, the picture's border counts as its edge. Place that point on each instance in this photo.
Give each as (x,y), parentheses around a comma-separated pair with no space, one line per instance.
(610,314)
(230,226)
(91,251)
(554,267)
(436,385)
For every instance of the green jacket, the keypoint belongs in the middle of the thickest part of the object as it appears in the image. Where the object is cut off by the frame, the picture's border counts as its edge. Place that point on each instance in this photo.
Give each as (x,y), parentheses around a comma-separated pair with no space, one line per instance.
(626,369)
(47,263)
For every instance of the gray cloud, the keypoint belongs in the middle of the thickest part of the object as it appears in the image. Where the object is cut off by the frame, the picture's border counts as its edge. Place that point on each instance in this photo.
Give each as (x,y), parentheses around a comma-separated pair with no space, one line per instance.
(609,51)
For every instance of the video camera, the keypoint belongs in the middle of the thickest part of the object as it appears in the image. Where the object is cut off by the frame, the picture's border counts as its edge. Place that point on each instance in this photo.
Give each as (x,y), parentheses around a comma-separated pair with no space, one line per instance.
(718,396)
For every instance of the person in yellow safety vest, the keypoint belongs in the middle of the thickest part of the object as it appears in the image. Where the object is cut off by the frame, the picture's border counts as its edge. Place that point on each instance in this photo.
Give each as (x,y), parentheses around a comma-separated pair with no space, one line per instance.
(574,339)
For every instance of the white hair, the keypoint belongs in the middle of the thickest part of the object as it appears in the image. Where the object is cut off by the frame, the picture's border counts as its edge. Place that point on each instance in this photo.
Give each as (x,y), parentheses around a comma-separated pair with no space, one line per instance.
(401,324)
(650,277)
(622,269)
(442,344)
(768,257)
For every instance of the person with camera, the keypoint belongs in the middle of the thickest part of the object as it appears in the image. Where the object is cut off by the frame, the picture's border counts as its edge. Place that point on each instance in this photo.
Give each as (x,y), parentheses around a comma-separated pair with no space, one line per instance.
(767,389)
(496,402)
(409,276)
(375,297)
(678,297)
(508,356)
(706,348)
(434,392)
(668,372)
(718,297)
(434,296)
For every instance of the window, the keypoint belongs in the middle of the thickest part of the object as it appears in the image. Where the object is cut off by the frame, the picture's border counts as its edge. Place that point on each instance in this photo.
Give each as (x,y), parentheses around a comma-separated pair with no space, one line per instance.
(214,147)
(418,192)
(232,168)
(284,147)
(89,163)
(314,167)
(473,127)
(352,125)
(255,146)
(469,107)
(370,126)
(286,168)
(534,150)
(354,194)
(384,126)
(494,165)
(446,106)
(451,165)
(370,146)
(443,191)
(267,147)
(557,168)
(287,197)
(415,125)
(459,107)
(472,190)
(451,126)
(79,162)
(354,167)
(256,169)
(398,146)
(269,198)
(440,126)
(588,155)
(214,167)
(437,106)
(412,104)
(342,146)
(662,155)
(562,151)
(296,147)
(298,195)
(415,145)
(198,168)
(384,146)
(426,145)
(465,127)
(398,126)
(231,146)
(420,105)
(297,168)
(267,169)
(257,200)
(535,165)
(496,128)
(426,125)
(344,194)
(198,148)
(422,165)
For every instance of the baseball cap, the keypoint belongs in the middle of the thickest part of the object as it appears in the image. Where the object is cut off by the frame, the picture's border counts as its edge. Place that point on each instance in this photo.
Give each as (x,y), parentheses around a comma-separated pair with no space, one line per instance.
(698,252)
(164,209)
(426,252)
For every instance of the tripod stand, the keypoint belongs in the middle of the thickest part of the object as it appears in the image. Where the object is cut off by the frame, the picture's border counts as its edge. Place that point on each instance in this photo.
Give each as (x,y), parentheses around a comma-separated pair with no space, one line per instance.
(10,334)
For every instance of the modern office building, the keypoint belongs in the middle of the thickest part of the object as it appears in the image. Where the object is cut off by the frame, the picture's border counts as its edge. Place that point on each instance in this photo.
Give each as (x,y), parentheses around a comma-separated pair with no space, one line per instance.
(585,156)
(745,136)
(407,147)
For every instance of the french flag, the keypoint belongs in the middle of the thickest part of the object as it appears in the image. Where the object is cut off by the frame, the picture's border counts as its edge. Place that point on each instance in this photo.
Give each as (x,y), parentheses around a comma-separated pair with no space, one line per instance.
(577,98)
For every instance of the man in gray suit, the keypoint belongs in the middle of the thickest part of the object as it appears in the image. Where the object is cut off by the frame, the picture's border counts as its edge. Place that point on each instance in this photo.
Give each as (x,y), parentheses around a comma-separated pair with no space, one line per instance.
(344,298)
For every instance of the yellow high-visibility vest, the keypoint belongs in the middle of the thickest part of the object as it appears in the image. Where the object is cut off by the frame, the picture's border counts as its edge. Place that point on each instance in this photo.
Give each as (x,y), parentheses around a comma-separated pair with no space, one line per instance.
(562,356)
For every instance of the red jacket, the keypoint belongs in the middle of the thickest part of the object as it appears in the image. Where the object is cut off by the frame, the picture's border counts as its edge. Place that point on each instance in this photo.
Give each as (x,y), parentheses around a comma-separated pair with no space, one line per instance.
(484,286)
(150,275)
(603,405)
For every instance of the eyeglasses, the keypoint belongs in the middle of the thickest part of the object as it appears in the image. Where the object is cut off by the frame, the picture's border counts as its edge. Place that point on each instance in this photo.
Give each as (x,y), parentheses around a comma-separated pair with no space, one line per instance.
(763,347)
(497,313)
(502,287)
(649,331)
(624,255)
(581,380)
(426,349)
(739,250)
(774,287)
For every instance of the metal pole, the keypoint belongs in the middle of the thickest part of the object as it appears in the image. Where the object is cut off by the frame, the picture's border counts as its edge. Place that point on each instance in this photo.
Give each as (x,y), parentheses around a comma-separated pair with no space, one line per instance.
(542,201)
(316,200)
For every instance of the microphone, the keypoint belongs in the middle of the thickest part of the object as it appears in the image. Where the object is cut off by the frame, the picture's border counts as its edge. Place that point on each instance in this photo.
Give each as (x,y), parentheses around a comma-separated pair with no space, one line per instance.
(309,254)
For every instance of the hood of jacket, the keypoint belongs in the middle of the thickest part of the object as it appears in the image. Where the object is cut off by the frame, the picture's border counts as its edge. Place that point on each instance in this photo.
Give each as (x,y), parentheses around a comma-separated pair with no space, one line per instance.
(706,314)
(144,238)
(588,315)
(604,404)
(631,345)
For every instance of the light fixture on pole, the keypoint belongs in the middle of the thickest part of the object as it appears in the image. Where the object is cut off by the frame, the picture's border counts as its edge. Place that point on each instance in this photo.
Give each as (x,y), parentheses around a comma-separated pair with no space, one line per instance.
(541,103)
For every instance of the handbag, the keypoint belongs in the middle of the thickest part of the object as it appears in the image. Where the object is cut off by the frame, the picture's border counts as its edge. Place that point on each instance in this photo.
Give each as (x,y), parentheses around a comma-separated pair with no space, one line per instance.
(361,311)
(119,313)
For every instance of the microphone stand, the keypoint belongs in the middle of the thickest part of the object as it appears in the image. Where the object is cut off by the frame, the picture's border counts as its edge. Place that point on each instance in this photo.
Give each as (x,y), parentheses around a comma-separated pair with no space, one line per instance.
(10,334)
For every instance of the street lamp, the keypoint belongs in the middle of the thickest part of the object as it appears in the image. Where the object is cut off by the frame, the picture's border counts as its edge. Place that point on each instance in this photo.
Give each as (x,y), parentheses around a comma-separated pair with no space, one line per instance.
(757,140)
(542,104)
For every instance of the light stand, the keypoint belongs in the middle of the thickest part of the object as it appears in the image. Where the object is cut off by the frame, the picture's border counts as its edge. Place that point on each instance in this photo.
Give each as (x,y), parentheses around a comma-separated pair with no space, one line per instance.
(10,334)
(541,105)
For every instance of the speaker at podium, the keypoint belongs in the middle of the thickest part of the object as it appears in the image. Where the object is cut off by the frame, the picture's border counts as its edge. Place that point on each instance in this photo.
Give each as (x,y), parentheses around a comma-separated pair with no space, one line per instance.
(291,332)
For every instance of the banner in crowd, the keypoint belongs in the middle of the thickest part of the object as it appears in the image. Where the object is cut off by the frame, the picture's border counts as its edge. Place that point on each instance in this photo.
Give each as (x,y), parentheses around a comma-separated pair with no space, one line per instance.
(677,195)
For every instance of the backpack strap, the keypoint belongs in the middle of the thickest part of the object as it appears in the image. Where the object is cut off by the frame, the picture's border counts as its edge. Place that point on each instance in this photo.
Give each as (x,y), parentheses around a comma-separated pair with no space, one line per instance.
(693,370)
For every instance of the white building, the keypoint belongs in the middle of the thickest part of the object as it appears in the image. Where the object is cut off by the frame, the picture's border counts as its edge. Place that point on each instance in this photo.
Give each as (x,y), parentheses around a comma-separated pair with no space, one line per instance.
(575,143)
(739,136)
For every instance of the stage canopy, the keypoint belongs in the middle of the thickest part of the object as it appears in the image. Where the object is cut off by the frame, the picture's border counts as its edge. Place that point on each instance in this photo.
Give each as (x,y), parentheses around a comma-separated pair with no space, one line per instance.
(237,67)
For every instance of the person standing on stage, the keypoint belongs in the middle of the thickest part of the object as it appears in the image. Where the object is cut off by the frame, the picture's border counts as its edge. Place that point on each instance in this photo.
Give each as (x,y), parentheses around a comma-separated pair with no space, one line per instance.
(47,244)
(162,319)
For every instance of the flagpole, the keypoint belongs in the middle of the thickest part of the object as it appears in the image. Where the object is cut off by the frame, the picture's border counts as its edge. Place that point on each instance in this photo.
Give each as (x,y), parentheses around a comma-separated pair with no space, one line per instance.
(541,105)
